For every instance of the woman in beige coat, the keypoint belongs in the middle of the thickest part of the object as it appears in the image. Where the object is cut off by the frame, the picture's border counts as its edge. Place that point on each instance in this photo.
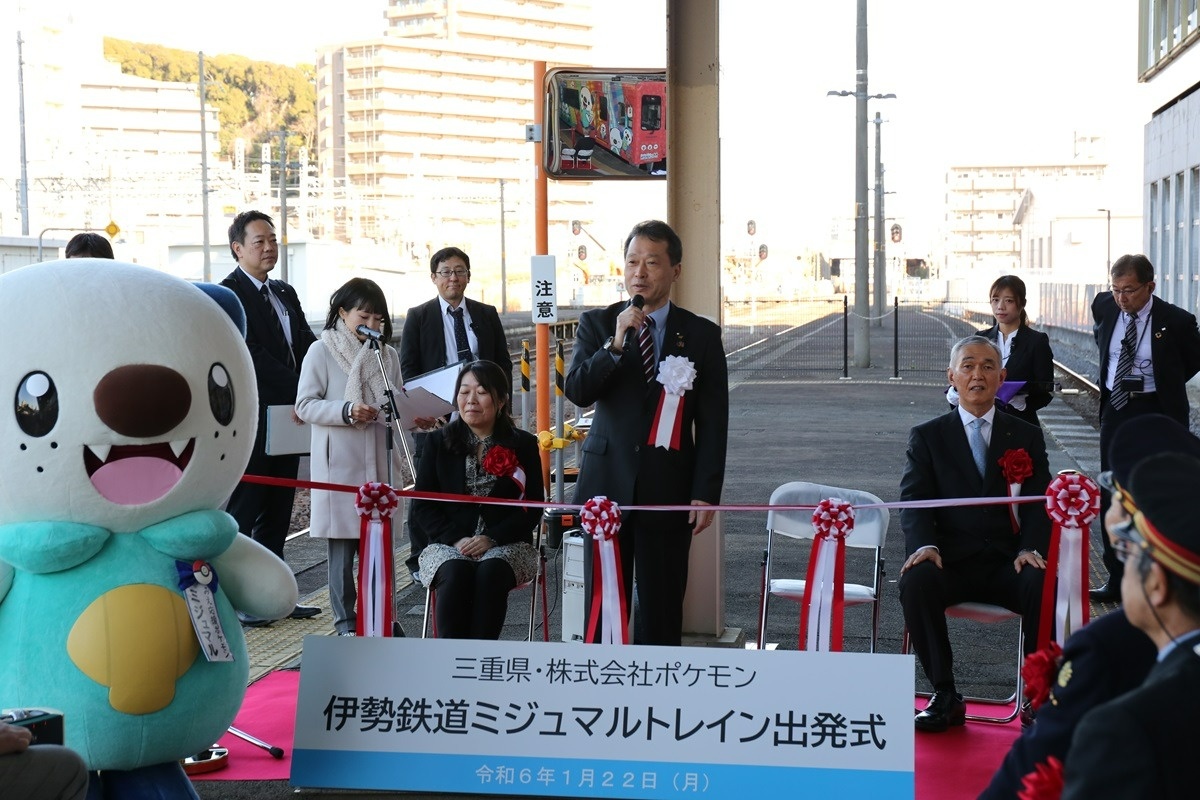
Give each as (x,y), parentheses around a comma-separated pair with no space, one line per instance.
(340,395)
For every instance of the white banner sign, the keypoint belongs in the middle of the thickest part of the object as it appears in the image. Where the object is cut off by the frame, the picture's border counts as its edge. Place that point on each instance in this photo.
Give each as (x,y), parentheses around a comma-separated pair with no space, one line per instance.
(576,720)
(545,289)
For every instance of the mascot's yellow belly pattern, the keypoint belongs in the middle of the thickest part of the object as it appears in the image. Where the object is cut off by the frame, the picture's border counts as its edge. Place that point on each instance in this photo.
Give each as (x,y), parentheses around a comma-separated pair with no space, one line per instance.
(137,640)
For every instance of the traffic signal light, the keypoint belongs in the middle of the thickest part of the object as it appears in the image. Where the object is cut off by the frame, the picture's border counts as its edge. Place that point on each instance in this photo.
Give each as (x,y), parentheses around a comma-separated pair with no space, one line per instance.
(762,252)
(751,228)
(582,252)
(896,233)
(575,227)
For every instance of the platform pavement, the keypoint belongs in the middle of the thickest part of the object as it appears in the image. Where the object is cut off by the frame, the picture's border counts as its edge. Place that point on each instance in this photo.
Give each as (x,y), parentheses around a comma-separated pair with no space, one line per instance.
(840,432)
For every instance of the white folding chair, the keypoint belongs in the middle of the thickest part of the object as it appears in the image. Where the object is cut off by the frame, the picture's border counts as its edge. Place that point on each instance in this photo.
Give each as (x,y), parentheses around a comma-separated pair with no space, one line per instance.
(988,613)
(870,531)
(539,580)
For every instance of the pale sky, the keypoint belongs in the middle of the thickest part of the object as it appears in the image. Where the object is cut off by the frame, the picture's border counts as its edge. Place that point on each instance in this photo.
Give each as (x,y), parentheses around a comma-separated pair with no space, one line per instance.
(976,82)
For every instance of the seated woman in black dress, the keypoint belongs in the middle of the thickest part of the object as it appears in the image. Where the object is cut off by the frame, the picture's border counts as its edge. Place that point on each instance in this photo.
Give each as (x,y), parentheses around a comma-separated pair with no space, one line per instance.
(473,554)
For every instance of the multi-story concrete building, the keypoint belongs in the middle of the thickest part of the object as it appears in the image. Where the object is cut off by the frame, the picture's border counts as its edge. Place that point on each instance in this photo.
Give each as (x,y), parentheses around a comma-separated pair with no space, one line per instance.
(103,146)
(1169,66)
(419,128)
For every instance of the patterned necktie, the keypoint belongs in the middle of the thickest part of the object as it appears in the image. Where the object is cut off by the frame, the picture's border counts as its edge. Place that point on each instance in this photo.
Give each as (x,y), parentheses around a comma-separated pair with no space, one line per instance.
(978,445)
(460,334)
(1120,395)
(265,294)
(646,346)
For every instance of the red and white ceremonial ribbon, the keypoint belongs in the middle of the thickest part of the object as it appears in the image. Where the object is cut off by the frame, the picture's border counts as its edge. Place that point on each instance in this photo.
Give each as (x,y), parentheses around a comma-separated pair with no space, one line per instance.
(1072,503)
(667,427)
(518,477)
(823,607)
(601,520)
(677,374)
(1014,490)
(375,503)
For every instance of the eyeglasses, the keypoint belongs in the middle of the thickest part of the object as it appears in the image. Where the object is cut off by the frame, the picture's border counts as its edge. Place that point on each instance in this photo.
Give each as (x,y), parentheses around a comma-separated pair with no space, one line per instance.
(447,273)
(1127,292)
(1124,540)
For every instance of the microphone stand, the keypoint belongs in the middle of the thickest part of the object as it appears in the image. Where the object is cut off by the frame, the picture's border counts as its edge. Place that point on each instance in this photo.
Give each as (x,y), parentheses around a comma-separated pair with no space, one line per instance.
(393,425)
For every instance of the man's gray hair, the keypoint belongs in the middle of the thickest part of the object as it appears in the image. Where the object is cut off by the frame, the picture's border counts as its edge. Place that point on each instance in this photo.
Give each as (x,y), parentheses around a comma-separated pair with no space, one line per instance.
(973,340)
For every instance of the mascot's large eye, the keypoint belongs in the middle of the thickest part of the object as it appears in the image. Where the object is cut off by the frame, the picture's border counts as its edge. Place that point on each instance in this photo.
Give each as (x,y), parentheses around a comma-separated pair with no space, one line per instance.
(220,394)
(37,404)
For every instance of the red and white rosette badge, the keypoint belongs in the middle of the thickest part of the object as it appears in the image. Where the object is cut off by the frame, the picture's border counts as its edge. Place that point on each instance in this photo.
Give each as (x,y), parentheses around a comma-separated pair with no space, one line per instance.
(1016,466)
(375,503)
(502,462)
(601,520)
(823,607)
(676,374)
(1072,503)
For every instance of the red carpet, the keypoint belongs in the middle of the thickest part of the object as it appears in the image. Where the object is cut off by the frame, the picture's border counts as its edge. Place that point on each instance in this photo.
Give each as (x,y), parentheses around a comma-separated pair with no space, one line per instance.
(955,765)
(268,713)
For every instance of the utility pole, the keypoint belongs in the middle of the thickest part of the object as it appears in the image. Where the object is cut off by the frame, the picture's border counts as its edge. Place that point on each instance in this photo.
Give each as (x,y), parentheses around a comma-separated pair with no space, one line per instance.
(204,173)
(503,263)
(862,267)
(880,265)
(24,194)
(283,265)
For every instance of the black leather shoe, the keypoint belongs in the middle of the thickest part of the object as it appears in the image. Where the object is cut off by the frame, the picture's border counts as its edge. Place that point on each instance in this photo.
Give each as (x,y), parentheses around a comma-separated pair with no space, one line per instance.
(304,612)
(1027,714)
(253,622)
(1108,593)
(944,709)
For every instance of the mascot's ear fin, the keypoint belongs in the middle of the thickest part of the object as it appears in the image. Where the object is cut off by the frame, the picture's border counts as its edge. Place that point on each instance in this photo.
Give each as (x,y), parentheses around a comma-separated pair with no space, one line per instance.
(228,301)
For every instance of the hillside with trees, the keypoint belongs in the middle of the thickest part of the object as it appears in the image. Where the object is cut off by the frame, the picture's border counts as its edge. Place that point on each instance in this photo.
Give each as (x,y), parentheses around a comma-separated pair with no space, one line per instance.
(252,98)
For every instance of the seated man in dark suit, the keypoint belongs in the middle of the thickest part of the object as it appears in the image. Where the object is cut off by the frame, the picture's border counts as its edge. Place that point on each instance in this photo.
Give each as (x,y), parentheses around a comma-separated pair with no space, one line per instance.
(1144,743)
(965,553)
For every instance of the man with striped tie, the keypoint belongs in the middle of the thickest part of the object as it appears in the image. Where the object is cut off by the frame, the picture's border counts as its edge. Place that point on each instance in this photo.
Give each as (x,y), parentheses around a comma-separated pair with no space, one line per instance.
(1149,350)
(657,376)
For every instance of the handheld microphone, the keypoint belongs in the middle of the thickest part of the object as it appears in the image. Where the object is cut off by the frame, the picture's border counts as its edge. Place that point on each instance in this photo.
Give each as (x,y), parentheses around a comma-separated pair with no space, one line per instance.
(637,301)
(370,333)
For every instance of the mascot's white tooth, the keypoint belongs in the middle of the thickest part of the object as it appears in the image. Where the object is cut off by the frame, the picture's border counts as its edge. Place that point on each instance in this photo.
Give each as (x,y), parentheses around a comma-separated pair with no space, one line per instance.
(100,451)
(178,447)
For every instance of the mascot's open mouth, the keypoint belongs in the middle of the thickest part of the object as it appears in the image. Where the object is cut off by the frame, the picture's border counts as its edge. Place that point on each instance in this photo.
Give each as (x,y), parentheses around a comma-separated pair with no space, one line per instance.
(136,474)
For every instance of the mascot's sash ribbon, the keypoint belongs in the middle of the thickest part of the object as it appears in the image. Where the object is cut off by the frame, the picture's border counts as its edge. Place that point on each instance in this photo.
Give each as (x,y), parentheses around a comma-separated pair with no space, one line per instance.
(677,374)
(1072,503)
(375,503)
(823,607)
(601,520)
(198,583)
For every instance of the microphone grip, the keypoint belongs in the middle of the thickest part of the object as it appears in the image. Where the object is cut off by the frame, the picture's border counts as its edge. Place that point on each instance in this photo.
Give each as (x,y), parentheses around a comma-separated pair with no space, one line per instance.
(631,337)
(370,333)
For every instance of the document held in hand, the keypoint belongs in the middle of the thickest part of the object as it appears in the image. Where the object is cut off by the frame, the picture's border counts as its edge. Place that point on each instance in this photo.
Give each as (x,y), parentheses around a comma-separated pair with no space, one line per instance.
(412,404)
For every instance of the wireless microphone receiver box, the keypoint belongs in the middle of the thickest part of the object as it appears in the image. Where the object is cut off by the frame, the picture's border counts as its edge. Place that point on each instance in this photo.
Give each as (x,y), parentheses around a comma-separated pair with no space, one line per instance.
(45,724)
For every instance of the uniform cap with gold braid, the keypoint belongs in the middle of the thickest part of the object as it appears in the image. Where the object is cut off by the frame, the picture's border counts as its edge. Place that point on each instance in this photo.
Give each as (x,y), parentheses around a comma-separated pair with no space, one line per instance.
(1162,489)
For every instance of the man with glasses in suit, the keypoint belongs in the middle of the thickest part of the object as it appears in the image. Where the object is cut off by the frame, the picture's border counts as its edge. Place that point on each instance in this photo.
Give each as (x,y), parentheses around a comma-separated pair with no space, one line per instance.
(1149,349)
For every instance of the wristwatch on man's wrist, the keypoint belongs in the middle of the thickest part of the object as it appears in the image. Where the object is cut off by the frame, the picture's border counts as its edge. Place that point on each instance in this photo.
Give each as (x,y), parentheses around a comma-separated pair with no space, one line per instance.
(610,345)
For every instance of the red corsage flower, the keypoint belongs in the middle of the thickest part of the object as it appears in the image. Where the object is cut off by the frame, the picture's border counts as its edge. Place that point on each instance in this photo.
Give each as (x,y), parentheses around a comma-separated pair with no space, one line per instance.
(1017,465)
(1045,782)
(1038,673)
(500,461)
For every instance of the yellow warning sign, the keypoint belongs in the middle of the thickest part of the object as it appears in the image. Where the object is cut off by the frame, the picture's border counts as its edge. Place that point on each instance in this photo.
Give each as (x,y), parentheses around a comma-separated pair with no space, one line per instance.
(112,229)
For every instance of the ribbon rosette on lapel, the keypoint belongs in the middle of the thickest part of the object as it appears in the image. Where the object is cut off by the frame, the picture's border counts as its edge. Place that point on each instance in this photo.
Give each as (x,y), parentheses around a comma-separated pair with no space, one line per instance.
(197,581)
(375,504)
(1038,672)
(1072,502)
(1016,466)
(502,462)
(823,605)
(601,520)
(1045,782)
(676,374)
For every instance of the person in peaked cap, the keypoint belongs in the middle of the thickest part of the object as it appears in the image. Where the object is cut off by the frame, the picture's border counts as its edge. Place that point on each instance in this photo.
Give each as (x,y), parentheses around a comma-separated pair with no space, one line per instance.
(1107,657)
(1142,744)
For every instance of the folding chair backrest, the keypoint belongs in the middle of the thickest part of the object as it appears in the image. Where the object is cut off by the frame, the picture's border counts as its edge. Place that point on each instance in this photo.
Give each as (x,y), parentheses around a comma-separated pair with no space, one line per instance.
(870,524)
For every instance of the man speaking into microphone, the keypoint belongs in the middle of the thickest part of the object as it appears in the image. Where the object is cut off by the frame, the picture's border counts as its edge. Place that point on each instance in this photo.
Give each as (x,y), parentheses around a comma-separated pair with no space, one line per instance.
(657,376)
